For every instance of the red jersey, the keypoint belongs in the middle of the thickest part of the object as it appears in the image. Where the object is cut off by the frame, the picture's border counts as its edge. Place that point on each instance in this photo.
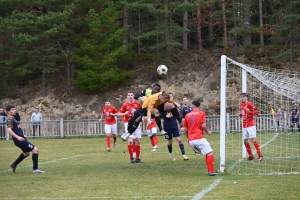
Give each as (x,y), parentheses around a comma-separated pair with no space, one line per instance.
(248,117)
(131,107)
(193,122)
(109,119)
(153,125)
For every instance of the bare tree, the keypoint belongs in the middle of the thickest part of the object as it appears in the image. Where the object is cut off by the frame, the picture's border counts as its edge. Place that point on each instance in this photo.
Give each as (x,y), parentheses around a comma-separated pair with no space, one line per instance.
(185,26)
(225,43)
(69,56)
(261,23)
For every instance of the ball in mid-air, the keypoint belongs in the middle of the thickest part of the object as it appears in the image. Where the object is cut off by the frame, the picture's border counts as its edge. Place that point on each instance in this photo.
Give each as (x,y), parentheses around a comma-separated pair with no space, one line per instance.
(162,69)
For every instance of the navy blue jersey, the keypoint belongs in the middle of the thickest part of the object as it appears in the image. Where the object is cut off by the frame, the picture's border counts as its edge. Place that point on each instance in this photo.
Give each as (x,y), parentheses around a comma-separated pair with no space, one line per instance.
(294,110)
(15,127)
(186,110)
(169,122)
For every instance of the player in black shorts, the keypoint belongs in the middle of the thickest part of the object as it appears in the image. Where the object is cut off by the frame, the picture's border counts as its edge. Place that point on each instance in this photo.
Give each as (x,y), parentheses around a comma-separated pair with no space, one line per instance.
(14,129)
(294,117)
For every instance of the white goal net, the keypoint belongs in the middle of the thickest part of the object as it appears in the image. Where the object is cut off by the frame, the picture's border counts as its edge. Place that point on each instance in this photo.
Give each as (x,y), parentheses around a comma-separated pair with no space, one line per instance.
(279,141)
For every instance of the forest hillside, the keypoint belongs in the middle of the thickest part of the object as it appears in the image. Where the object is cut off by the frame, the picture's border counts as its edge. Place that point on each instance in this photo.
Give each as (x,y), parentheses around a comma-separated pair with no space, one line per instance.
(196,74)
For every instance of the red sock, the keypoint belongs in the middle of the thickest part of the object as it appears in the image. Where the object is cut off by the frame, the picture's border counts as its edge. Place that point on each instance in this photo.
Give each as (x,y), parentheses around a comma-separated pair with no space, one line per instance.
(108,141)
(115,139)
(155,138)
(137,151)
(210,163)
(152,141)
(130,150)
(248,148)
(257,147)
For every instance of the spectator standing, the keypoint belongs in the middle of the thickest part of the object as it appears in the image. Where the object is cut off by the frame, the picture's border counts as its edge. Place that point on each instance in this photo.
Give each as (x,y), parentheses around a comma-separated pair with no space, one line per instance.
(3,118)
(36,119)
(278,117)
(294,117)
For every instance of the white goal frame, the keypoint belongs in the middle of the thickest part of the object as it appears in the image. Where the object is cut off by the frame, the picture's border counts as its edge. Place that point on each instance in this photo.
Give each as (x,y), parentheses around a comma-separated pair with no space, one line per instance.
(283,87)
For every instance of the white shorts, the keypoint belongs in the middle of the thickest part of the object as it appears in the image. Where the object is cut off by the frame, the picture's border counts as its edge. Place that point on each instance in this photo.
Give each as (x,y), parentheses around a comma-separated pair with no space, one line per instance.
(201,146)
(110,128)
(249,132)
(137,133)
(152,131)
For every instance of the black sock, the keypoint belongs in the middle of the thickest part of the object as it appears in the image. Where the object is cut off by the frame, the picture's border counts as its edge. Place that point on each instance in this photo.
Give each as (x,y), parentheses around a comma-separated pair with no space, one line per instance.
(35,160)
(170,148)
(19,159)
(158,122)
(181,146)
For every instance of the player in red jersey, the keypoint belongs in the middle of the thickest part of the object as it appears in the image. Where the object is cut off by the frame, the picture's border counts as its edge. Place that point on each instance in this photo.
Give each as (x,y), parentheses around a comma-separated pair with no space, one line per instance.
(133,145)
(110,126)
(152,133)
(194,125)
(247,112)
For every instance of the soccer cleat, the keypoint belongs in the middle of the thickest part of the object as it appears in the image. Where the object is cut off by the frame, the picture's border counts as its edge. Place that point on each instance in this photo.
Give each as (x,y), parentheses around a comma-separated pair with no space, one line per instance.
(108,149)
(212,173)
(197,154)
(37,171)
(138,160)
(154,149)
(185,157)
(260,158)
(132,160)
(115,145)
(172,157)
(125,136)
(13,167)
(250,158)
(162,132)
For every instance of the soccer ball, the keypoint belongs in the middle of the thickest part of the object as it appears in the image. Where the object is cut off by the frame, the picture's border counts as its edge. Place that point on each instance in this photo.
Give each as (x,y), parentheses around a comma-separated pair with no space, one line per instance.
(162,69)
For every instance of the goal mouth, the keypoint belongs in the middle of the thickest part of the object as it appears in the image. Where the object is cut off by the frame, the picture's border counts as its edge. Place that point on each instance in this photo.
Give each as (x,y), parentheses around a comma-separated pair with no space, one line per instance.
(272,92)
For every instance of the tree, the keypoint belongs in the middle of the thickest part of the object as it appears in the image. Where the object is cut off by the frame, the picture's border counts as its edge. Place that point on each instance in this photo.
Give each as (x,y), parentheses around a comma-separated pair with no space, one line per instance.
(102,48)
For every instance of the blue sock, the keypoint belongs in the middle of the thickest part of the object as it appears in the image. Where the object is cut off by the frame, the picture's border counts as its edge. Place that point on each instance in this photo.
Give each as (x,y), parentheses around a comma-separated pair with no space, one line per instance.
(181,146)
(170,148)
(35,160)
(19,159)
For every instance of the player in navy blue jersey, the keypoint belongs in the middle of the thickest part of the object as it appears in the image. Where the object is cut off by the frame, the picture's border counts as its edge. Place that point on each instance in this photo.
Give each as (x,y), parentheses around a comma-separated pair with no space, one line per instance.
(294,114)
(185,107)
(171,127)
(20,140)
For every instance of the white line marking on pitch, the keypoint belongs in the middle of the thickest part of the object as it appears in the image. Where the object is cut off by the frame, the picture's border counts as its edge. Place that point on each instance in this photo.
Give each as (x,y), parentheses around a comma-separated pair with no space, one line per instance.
(43,163)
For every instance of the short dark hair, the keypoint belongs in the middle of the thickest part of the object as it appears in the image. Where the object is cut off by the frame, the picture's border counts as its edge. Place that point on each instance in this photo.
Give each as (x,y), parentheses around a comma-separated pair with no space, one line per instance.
(244,94)
(9,107)
(183,98)
(196,103)
(156,85)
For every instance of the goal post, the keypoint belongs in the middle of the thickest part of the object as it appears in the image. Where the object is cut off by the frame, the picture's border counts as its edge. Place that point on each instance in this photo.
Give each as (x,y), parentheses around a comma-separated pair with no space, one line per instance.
(269,88)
